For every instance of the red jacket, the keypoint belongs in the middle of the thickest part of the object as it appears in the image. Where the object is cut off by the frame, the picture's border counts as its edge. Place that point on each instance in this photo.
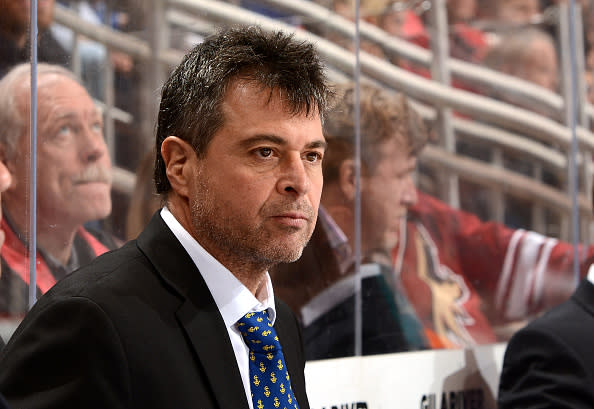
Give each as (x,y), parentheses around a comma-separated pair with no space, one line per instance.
(14,278)
(466,277)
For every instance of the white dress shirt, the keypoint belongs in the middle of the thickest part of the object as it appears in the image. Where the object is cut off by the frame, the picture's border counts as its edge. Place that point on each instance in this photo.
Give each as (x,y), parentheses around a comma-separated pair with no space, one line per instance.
(233,299)
(591,274)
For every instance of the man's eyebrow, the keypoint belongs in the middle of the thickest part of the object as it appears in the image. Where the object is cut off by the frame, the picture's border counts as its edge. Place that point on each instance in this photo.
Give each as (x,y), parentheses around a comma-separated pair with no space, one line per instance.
(263,138)
(279,141)
(318,144)
(64,115)
(73,114)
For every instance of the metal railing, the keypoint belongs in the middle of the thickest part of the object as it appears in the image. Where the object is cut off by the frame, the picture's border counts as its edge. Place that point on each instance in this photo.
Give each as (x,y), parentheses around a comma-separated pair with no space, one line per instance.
(544,140)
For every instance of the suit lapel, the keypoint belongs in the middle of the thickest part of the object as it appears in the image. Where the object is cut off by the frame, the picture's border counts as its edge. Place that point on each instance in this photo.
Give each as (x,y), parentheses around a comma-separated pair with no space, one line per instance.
(292,343)
(584,296)
(287,342)
(198,314)
(208,334)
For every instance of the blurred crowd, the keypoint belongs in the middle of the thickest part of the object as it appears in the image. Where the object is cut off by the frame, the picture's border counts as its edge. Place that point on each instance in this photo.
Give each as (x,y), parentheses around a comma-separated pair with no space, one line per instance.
(515,37)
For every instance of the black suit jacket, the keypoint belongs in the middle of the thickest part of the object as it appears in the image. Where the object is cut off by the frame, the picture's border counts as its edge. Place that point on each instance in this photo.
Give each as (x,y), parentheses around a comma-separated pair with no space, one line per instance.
(136,328)
(550,362)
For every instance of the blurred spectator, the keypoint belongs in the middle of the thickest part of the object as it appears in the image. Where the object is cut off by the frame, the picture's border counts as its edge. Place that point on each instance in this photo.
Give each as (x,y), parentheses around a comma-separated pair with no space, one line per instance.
(398,19)
(518,12)
(94,55)
(461,11)
(73,181)
(346,9)
(319,287)
(14,34)
(529,54)
(467,280)
(466,42)
(266,10)
(584,4)
(588,17)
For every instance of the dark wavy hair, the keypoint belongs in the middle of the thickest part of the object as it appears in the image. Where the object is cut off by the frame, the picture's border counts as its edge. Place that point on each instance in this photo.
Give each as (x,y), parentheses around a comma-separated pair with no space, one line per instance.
(192,96)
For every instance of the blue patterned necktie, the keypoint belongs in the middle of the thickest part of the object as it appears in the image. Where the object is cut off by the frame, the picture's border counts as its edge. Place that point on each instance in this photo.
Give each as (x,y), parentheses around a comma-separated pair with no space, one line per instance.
(269,379)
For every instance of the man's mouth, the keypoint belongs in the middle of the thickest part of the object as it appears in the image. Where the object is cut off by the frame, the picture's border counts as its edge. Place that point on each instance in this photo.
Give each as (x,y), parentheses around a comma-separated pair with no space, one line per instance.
(93,175)
(293,219)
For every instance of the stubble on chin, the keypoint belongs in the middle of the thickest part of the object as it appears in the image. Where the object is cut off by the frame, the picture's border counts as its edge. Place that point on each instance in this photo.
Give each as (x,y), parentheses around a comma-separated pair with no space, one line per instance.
(256,246)
(247,244)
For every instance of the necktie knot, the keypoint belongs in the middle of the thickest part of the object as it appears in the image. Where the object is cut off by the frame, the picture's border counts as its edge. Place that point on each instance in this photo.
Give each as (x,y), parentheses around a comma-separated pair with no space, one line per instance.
(258,333)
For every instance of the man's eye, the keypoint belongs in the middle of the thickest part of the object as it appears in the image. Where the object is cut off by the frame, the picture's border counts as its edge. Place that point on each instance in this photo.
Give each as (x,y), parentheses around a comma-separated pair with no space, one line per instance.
(64,130)
(97,127)
(264,152)
(313,156)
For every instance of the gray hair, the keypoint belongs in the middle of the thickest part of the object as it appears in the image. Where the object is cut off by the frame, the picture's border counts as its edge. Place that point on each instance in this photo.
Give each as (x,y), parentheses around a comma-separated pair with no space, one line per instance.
(514,45)
(15,82)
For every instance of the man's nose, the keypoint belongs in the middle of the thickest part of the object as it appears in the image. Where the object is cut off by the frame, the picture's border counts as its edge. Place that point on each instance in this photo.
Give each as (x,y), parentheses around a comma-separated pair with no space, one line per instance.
(294,178)
(409,193)
(93,145)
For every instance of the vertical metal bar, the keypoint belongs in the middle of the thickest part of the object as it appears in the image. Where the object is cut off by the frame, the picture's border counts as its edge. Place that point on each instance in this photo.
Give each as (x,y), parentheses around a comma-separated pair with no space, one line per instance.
(497,207)
(574,186)
(154,75)
(538,213)
(440,72)
(577,28)
(586,157)
(570,94)
(75,57)
(33,163)
(109,94)
(357,245)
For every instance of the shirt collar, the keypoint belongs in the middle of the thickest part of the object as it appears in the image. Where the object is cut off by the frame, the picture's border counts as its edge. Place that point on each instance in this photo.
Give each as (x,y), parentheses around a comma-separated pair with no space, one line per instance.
(233,299)
(591,274)
(337,239)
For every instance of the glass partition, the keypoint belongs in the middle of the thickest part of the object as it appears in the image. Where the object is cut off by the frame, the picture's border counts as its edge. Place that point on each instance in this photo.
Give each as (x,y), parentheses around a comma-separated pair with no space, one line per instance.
(458,183)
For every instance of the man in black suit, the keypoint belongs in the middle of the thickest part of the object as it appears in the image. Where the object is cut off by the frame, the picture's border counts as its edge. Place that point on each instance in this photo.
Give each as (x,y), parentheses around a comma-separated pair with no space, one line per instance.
(155,323)
(550,362)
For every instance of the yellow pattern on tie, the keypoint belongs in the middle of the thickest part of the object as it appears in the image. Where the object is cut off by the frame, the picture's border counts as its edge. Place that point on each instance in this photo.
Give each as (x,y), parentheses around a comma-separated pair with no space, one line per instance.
(270,382)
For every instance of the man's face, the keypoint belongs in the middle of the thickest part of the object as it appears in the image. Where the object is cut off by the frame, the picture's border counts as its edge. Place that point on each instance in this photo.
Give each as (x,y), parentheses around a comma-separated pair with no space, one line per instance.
(461,10)
(386,195)
(393,22)
(74,169)
(45,13)
(518,11)
(539,65)
(256,193)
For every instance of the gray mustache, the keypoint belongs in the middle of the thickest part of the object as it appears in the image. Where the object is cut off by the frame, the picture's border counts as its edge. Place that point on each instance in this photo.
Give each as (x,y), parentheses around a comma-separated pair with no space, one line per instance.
(94,174)
(304,208)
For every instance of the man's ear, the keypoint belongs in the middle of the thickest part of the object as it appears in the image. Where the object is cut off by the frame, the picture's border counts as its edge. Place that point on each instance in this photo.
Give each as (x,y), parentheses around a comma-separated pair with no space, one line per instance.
(179,157)
(346,179)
